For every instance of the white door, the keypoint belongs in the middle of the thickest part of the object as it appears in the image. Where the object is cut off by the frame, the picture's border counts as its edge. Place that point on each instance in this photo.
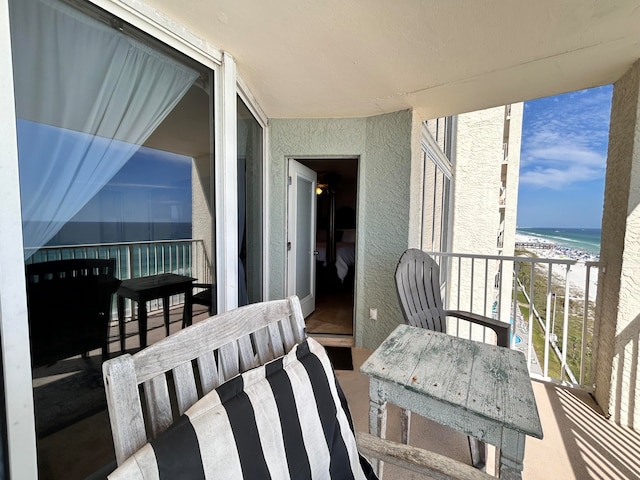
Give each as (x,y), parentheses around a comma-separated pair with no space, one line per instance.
(301,235)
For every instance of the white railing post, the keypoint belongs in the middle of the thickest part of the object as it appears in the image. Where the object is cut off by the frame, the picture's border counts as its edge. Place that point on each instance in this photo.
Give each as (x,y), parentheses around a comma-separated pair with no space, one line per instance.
(565,323)
(548,333)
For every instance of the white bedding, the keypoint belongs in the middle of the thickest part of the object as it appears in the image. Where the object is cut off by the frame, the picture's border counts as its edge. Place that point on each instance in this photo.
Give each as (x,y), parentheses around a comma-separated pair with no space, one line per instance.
(345,257)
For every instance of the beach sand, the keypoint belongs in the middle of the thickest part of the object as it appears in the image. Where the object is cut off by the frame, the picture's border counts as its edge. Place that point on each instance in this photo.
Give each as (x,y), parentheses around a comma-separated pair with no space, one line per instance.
(577,273)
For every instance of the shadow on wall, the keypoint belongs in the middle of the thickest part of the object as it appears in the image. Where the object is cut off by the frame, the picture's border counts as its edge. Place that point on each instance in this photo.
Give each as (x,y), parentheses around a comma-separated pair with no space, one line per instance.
(626,353)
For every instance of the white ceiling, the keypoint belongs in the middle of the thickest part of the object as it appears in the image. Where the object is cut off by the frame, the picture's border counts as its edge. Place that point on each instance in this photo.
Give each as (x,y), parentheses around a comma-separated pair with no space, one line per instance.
(347,58)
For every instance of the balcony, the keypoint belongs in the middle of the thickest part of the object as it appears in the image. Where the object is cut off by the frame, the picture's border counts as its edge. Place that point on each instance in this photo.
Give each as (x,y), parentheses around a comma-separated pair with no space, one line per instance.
(505,153)
(139,259)
(550,304)
(579,441)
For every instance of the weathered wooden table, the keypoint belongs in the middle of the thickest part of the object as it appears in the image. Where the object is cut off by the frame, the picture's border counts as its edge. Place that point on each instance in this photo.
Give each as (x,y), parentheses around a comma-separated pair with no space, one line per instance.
(143,289)
(479,389)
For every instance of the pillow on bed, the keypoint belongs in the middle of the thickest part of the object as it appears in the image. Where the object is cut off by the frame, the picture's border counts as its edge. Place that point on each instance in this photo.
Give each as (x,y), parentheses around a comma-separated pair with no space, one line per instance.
(349,236)
(286,419)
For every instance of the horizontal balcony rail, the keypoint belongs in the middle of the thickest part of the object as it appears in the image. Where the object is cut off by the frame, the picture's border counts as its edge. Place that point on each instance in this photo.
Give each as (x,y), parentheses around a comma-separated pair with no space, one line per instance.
(140,259)
(549,302)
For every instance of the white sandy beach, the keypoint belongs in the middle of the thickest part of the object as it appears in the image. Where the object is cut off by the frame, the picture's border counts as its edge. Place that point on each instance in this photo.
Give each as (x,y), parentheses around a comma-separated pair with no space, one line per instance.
(577,273)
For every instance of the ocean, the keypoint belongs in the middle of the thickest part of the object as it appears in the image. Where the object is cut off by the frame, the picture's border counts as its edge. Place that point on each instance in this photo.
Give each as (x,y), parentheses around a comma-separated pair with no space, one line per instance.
(585,239)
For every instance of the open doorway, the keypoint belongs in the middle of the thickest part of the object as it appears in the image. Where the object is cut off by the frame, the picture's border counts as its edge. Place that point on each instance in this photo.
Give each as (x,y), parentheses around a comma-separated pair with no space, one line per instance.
(335,251)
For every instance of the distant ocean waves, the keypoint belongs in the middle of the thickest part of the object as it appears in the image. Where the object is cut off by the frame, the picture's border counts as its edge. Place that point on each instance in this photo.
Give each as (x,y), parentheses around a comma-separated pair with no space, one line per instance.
(585,239)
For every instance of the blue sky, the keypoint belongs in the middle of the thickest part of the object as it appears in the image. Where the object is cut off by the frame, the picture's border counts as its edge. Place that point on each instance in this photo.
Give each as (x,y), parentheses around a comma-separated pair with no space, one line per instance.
(563,159)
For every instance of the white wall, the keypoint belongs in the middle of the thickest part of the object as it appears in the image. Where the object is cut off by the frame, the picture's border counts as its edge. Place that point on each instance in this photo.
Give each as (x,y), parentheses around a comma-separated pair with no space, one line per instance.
(618,303)
(513,177)
(475,207)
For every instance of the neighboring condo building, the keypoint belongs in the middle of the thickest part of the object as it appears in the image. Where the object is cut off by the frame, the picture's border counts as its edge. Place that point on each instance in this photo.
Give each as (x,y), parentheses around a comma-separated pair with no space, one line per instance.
(482,151)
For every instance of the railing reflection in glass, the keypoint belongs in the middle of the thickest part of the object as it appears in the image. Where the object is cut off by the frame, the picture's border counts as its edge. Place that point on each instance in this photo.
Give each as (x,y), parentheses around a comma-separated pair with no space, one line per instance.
(140,259)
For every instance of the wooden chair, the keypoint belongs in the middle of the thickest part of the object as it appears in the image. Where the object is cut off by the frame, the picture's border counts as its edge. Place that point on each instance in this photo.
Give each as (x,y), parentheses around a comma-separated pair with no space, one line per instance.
(418,287)
(219,348)
(184,367)
(69,304)
(204,297)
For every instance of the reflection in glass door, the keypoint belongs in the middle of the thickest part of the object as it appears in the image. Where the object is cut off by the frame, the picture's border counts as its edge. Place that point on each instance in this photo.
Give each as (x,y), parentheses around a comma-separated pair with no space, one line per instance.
(250,207)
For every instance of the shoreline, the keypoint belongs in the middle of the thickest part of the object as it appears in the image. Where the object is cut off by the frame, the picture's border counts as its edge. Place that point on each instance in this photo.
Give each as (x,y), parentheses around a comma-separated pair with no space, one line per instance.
(578,272)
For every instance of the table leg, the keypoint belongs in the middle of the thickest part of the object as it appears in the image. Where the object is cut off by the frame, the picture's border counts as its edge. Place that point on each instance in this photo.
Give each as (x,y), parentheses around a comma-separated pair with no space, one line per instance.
(121,329)
(377,419)
(511,455)
(165,309)
(187,313)
(405,425)
(478,451)
(142,322)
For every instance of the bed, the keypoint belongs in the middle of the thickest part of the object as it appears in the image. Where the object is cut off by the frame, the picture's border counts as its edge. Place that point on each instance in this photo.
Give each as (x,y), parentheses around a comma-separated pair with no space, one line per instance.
(345,253)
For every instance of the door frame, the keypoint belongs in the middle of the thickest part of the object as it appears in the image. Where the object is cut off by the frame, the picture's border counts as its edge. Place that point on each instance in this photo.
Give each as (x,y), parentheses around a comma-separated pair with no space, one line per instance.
(333,158)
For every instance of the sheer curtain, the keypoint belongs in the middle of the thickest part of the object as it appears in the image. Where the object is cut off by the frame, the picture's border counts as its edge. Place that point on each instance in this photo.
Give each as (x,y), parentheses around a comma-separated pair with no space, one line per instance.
(87,97)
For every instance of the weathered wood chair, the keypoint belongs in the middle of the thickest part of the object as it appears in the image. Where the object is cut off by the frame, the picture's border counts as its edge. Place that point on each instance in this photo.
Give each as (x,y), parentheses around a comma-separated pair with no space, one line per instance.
(418,287)
(216,371)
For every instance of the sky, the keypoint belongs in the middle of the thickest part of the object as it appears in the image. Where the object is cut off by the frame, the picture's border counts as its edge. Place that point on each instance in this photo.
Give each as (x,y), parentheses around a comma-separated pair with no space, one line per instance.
(152,186)
(563,159)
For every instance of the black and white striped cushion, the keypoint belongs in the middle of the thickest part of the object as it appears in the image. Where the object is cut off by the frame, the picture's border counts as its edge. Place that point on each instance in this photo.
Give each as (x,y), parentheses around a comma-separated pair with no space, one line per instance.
(285,420)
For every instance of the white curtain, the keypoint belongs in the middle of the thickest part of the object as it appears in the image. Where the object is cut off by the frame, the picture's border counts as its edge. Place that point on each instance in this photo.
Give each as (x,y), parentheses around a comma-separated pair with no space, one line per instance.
(87,97)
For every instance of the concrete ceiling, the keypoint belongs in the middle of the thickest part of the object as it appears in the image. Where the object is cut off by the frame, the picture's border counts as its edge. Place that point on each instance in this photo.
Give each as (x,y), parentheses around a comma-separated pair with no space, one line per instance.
(351,58)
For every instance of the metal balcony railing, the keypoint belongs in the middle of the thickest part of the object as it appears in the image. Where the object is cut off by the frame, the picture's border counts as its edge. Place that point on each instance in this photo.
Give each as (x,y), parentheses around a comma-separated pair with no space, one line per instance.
(140,259)
(549,302)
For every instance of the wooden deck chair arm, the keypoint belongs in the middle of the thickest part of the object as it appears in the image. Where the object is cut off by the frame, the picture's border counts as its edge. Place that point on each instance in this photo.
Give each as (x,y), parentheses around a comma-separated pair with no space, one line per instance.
(418,460)
(502,329)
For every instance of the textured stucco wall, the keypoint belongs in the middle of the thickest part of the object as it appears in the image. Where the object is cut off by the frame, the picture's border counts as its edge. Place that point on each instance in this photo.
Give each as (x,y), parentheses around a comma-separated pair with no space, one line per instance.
(202,220)
(383,144)
(476,190)
(513,178)
(618,303)
(477,181)
(511,203)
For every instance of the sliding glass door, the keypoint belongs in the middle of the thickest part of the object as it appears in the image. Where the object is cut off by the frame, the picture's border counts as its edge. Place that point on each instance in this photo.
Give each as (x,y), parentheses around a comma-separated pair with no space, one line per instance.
(115,147)
(250,207)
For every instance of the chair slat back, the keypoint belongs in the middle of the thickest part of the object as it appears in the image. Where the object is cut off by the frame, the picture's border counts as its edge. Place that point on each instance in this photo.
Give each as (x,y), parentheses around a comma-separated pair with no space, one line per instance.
(69,305)
(418,288)
(174,373)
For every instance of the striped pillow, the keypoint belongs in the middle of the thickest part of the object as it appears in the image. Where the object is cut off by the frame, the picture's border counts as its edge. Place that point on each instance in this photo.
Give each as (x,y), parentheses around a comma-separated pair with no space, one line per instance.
(286,419)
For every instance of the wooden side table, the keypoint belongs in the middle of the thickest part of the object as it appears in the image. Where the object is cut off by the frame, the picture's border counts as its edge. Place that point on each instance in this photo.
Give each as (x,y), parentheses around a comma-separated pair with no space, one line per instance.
(143,289)
(479,389)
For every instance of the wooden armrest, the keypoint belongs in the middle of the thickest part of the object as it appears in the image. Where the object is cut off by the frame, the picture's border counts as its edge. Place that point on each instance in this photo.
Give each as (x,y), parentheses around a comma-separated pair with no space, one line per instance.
(502,329)
(417,460)
(202,285)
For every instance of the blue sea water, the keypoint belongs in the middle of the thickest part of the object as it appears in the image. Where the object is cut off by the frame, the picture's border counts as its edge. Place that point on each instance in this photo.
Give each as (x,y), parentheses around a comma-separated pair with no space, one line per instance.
(585,239)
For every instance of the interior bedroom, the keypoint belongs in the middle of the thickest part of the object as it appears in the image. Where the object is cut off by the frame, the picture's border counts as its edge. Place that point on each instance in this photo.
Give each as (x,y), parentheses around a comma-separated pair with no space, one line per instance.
(336,195)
